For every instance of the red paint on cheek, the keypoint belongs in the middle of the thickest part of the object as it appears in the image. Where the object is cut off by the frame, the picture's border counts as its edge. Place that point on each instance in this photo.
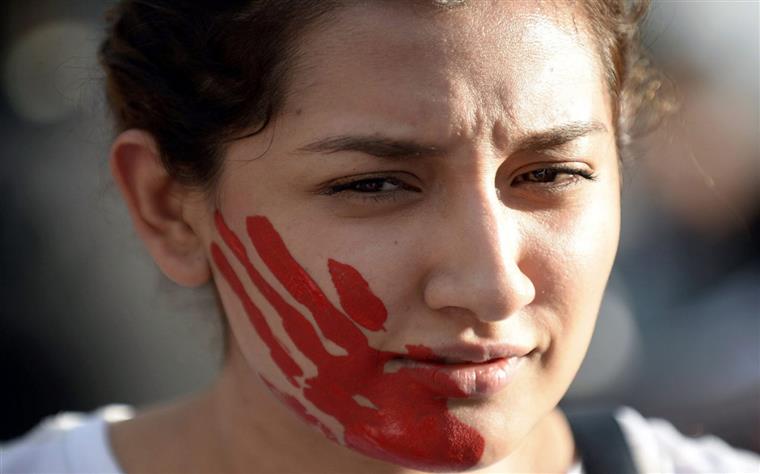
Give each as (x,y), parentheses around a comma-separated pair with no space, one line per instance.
(280,356)
(356,298)
(389,416)
(420,352)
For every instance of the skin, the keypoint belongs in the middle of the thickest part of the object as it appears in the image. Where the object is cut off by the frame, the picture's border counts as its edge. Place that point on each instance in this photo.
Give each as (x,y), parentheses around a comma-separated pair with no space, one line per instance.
(462,239)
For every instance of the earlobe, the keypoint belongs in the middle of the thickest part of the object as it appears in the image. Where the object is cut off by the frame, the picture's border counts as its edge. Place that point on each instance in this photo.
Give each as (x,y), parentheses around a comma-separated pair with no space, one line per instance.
(158,206)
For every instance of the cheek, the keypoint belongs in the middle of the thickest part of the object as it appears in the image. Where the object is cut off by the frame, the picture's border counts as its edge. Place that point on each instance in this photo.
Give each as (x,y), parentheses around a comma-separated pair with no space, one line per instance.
(580,243)
(579,251)
(392,263)
(394,416)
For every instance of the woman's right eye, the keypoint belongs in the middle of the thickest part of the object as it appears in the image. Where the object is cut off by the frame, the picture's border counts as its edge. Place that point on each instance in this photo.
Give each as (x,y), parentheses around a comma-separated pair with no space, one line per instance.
(374,188)
(371,185)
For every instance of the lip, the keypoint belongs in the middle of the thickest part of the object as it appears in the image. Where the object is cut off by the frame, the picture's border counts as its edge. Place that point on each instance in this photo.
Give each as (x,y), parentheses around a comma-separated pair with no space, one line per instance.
(463,371)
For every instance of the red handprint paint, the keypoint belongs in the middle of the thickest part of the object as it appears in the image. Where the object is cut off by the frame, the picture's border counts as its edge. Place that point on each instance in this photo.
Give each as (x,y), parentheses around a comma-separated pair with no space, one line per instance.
(388,416)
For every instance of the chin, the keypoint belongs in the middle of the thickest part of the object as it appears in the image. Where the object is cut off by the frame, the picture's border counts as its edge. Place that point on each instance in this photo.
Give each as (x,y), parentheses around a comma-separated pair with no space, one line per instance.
(458,458)
(503,422)
(457,450)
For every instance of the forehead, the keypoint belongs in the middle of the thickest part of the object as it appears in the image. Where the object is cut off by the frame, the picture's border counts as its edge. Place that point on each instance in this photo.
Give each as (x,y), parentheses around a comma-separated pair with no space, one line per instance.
(518,63)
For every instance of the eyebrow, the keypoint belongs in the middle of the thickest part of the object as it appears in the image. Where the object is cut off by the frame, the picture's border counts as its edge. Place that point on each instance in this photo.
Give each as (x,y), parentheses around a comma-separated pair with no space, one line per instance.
(378,146)
(558,136)
(383,147)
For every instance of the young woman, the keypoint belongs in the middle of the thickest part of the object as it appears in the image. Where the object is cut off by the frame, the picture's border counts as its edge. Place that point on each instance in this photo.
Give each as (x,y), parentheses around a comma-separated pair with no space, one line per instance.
(409,211)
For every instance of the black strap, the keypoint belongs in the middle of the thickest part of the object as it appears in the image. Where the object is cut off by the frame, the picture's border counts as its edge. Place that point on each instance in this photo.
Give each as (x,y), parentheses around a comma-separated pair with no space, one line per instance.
(600,443)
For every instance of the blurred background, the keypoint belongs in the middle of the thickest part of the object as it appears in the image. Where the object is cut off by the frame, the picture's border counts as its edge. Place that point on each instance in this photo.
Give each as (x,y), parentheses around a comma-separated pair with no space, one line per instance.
(87,319)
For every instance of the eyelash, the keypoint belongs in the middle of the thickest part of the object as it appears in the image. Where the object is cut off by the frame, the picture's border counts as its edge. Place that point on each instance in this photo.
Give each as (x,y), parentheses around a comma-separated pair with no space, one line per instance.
(345,188)
(573,173)
(350,187)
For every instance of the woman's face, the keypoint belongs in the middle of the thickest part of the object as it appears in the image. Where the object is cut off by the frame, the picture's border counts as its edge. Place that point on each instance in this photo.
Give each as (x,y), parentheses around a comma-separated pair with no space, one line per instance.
(413,254)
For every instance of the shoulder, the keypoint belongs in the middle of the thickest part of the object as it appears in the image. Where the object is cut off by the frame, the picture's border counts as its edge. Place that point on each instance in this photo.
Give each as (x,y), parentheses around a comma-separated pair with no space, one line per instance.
(657,446)
(65,443)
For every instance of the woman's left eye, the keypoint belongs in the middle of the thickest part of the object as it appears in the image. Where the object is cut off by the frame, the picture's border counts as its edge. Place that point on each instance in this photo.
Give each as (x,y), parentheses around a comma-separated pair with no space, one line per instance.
(553,176)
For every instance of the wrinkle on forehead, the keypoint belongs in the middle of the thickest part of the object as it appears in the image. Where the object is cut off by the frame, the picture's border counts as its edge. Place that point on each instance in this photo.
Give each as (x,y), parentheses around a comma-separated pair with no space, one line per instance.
(462,70)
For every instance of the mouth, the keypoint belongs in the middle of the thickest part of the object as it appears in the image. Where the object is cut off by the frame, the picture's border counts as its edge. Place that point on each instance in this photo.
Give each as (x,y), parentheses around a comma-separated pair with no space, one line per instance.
(463,371)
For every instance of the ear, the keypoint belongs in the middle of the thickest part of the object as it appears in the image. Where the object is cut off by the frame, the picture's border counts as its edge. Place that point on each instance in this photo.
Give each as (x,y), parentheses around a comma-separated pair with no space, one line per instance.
(158,207)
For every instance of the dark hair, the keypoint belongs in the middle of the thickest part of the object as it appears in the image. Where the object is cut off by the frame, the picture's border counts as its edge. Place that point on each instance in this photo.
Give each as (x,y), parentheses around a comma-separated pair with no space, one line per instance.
(640,99)
(199,74)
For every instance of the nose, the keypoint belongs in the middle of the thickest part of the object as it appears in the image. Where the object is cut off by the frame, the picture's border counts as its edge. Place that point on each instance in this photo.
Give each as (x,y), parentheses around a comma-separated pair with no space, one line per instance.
(476,261)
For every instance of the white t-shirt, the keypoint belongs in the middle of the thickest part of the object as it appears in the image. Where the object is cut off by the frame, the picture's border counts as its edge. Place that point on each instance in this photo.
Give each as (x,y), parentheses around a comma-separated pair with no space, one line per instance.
(74,443)
(66,443)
